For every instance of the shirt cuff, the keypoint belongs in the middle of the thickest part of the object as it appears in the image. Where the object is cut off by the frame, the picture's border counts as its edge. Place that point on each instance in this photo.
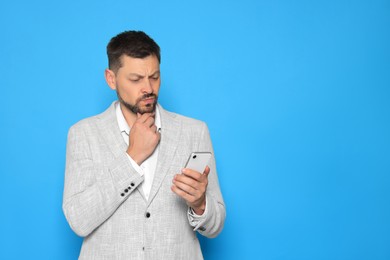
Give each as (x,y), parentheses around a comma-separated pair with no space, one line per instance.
(194,218)
(136,166)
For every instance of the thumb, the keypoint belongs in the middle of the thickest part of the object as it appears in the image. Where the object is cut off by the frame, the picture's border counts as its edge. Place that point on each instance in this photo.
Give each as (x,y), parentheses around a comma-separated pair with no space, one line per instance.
(206,171)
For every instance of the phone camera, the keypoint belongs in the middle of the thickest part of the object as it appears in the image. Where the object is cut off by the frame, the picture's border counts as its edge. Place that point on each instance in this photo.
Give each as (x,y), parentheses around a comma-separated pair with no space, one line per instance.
(193,157)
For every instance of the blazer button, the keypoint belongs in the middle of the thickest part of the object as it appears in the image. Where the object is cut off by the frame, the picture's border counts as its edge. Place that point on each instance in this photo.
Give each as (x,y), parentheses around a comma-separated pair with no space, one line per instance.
(132,184)
(147,214)
(126,190)
(122,194)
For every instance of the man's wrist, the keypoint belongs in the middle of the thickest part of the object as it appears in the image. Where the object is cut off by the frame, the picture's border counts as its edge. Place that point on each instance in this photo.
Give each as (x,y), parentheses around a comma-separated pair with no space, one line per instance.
(200,210)
(134,156)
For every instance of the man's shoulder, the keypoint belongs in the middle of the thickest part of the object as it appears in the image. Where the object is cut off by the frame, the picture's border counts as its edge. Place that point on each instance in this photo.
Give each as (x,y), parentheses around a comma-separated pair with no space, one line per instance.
(85,123)
(92,121)
(185,121)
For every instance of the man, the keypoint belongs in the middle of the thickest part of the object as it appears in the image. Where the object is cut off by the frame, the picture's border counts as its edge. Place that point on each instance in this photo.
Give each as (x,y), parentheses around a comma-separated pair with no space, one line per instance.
(126,191)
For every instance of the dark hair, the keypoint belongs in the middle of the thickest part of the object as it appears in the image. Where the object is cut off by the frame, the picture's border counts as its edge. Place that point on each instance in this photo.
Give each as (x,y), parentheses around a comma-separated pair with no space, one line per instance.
(135,44)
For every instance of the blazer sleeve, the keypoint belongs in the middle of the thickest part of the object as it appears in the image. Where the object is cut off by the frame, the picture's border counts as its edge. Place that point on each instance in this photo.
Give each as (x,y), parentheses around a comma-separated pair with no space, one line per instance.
(93,190)
(212,224)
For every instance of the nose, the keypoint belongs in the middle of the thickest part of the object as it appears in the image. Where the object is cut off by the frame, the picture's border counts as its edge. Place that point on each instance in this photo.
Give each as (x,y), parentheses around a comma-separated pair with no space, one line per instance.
(147,86)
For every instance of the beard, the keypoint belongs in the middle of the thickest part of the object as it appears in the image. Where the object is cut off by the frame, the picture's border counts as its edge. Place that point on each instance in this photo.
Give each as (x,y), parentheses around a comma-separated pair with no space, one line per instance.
(136,108)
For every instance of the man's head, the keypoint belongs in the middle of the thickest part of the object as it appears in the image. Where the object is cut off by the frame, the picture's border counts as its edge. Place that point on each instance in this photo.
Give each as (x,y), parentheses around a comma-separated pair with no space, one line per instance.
(134,70)
(135,44)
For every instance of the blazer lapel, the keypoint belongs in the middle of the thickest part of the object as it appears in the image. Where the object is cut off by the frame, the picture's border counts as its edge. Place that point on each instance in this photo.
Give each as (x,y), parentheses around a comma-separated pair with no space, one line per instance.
(170,133)
(108,126)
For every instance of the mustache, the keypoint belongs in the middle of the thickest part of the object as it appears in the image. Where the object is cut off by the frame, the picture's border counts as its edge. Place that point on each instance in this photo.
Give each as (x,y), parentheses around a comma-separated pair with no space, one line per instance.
(146,96)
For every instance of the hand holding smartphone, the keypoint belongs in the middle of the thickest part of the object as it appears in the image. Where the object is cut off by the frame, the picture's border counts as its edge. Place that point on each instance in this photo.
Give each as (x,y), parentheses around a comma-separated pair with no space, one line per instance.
(198,161)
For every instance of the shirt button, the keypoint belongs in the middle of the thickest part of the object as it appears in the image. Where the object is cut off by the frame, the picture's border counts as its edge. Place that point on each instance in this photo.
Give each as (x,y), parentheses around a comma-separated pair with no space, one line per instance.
(122,194)
(132,184)
(147,214)
(126,190)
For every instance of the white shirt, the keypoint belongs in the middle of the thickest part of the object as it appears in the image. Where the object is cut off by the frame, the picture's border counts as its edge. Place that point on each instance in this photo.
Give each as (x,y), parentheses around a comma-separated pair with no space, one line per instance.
(148,167)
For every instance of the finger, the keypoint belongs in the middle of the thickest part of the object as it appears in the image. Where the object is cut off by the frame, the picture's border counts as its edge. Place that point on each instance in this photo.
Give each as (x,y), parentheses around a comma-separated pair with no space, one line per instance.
(149,121)
(192,173)
(142,118)
(187,197)
(186,188)
(206,171)
(180,178)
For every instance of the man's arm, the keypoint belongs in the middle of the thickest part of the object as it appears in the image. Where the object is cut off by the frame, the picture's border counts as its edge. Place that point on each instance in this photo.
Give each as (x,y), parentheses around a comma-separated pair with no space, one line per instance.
(201,191)
(93,191)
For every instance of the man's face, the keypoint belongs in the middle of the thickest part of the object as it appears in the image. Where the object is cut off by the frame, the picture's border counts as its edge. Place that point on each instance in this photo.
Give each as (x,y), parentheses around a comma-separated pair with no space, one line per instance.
(137,83)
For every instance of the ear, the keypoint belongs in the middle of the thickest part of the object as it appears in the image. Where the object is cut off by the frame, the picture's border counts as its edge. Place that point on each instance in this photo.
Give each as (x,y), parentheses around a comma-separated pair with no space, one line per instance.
(110,78)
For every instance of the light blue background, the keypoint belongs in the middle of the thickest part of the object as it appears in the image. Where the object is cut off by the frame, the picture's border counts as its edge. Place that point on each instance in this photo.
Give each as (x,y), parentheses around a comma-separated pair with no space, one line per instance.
(295,93)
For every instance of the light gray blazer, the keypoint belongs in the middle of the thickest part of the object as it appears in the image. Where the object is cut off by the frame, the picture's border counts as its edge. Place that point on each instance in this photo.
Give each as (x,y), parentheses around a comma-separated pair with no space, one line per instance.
(104,202)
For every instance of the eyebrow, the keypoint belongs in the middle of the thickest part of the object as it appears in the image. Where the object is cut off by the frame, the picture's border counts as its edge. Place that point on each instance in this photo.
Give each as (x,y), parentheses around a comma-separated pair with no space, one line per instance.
(141,76)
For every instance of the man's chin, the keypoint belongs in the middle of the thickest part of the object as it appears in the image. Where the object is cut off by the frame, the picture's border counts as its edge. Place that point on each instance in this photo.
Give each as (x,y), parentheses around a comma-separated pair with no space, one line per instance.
(147,109)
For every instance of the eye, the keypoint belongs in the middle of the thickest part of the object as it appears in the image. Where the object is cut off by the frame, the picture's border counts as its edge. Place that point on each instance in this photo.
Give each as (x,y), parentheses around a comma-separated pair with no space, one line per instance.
(155,77)
(135,80)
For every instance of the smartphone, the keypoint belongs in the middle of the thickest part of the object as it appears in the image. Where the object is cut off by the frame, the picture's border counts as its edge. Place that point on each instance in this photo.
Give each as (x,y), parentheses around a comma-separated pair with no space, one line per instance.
(198,161)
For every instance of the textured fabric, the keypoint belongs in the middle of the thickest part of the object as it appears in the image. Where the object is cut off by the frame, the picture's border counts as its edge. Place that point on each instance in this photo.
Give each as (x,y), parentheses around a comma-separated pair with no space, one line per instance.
(103,199)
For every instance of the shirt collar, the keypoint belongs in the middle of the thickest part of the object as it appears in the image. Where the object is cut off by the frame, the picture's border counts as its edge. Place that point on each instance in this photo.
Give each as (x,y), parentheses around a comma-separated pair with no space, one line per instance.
(124,127)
